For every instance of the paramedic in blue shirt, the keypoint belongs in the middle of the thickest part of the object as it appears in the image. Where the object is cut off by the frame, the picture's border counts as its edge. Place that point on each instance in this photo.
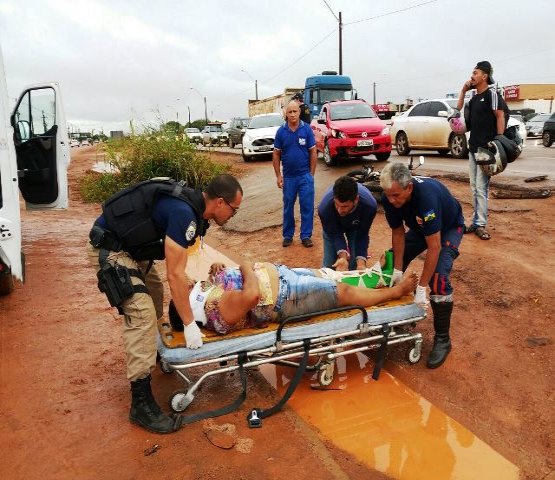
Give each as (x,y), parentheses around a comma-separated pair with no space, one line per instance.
(295,149)
(435,223)
(346,211)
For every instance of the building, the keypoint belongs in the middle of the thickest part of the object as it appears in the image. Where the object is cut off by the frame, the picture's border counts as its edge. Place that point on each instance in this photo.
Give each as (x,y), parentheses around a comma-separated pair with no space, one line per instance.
(274,104)
(116,133)
(536,97)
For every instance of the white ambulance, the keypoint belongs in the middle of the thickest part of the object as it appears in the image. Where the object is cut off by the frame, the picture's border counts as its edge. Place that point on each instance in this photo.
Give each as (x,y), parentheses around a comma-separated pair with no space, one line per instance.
(34,157)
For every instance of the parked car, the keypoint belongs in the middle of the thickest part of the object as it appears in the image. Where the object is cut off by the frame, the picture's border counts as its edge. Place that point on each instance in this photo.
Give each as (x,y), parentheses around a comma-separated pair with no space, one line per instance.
(548,134)
(213,134)
(518,121)
(85,143)
(193,134)
(236,130)
(74,143)
(425,127)
(260,134)
(350,128)
(534,126)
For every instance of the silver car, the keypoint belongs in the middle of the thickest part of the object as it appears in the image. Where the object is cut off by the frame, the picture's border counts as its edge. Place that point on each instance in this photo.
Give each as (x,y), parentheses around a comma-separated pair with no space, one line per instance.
(534,126)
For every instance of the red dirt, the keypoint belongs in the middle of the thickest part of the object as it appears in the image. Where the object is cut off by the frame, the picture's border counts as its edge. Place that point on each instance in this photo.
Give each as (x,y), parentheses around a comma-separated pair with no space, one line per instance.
(64,397)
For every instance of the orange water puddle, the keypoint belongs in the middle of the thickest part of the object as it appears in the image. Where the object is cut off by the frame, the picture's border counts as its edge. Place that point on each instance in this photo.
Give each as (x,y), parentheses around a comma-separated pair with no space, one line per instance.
(390,427)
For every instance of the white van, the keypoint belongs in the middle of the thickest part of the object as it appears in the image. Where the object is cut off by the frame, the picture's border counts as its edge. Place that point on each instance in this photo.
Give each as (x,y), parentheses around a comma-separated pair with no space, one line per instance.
(34,157)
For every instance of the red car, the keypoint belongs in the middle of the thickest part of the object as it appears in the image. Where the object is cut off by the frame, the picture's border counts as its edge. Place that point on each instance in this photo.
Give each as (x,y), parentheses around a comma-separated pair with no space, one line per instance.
(350,128)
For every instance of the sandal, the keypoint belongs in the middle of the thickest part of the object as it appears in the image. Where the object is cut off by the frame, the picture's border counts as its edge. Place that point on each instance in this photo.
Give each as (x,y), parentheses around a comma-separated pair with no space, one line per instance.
(470,229)
(482,233)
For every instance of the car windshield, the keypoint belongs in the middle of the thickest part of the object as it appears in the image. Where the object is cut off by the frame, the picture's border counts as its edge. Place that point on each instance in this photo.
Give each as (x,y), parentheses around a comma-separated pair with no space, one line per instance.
(266,121)
(215,128)
(329,95)
(243,122)
(517,117)
(349,111)
(192,130)
(542,117)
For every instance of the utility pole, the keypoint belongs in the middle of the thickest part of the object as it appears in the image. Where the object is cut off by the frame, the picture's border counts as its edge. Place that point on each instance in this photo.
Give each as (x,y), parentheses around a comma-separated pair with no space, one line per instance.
(374,93)
(340,45)
(189,110)
(205,111)
(256,88)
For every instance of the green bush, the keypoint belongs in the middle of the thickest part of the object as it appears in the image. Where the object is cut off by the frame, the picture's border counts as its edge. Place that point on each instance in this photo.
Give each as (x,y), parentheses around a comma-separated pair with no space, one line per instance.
(152,154)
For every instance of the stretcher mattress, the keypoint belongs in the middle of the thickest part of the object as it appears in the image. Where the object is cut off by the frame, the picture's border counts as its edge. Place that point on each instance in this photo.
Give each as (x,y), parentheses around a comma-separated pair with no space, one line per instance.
(171,345)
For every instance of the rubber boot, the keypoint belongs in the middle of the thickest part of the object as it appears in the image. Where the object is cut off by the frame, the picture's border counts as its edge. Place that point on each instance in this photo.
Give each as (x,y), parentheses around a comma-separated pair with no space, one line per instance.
(442,342)
(145,411)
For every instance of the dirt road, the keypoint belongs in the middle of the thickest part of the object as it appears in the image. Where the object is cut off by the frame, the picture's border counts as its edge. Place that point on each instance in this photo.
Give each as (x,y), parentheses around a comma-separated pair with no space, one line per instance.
(64,397)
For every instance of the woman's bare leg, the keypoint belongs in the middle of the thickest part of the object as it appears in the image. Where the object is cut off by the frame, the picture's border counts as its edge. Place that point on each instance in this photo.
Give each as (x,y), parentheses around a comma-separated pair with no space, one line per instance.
(368,297)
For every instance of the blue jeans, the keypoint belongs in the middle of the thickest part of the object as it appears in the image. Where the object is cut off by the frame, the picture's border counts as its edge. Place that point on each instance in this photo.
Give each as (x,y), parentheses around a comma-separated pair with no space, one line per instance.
(300,292)
(330,254)
(415,244)
(479,187)
(303,187)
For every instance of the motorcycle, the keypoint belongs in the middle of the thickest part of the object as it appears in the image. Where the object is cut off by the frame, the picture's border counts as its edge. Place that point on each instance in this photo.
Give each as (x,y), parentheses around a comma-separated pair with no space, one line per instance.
(370,177)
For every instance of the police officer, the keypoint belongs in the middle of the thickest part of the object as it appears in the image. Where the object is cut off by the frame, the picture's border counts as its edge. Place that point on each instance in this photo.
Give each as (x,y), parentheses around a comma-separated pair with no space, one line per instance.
(303,107)
(155,219)
(435,223)
(346,211)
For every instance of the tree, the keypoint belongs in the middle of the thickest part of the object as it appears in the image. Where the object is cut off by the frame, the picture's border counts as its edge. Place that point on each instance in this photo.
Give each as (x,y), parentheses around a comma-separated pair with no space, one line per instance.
(172,127)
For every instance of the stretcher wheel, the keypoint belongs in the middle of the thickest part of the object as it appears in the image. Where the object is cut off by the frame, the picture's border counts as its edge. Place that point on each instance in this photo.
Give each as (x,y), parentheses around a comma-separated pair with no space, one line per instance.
(179,401)
(165,367)
(414,354)
(325,377)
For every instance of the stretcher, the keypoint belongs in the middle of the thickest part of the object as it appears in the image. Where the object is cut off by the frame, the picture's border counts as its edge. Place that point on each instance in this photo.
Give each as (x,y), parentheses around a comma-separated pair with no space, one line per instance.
(306,342)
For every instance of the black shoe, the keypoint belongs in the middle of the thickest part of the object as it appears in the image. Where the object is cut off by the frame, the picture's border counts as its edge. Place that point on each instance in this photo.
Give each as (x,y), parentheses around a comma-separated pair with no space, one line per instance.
(145,412)
(440,350)
(307,242)
(287,242)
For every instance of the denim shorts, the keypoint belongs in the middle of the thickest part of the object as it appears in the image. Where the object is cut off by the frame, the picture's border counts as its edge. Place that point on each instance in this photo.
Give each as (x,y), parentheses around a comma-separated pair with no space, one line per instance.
(300,292)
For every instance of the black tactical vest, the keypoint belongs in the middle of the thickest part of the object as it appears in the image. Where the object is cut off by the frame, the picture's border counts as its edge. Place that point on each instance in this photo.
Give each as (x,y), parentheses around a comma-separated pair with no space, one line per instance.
(128,214)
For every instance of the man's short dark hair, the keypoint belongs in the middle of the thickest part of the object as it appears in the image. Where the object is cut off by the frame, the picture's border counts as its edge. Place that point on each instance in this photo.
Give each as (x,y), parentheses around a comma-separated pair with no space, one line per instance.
(345,189)
(225,186)
(297,96)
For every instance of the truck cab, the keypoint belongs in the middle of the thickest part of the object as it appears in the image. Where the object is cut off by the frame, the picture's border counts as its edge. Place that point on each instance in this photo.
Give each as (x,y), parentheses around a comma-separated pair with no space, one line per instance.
(327,87)
(34,157)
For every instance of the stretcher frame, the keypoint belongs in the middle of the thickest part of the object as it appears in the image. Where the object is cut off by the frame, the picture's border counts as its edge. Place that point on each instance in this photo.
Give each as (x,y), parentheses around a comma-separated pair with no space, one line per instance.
(322,350)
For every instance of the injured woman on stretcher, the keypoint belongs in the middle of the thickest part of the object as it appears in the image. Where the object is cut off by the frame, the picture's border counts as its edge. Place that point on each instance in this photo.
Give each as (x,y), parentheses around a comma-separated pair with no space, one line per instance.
(255,294)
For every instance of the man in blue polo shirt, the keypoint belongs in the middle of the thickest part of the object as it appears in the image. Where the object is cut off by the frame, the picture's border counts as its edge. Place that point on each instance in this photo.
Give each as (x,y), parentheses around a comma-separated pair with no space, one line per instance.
(295,149)
(435,223)
(346,211)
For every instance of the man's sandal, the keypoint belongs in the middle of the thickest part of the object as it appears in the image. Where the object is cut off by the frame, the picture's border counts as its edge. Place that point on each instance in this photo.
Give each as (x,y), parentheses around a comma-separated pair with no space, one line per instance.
(482,233)
(470,229)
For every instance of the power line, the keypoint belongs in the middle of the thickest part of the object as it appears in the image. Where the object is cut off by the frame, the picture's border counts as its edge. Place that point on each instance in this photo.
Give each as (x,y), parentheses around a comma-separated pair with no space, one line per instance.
(331,10)
(390,13)
(301,57)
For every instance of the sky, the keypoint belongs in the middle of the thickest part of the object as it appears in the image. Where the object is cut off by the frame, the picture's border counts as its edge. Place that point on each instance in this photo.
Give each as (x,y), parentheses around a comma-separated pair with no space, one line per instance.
(119,61)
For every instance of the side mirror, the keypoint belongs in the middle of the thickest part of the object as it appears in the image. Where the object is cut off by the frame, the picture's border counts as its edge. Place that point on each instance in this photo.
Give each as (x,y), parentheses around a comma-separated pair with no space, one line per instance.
(321,121)
(442,113)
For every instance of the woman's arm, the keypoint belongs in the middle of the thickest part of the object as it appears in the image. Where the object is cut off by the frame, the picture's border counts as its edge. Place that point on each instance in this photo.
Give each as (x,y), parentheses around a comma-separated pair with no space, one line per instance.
(235,304)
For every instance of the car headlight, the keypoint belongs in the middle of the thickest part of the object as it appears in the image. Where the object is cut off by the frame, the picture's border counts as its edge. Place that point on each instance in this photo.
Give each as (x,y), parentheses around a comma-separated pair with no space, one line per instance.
(385,131)
(338,134)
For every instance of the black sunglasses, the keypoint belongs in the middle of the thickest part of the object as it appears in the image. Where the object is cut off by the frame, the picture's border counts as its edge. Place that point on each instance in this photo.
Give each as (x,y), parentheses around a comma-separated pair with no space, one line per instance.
(234,209)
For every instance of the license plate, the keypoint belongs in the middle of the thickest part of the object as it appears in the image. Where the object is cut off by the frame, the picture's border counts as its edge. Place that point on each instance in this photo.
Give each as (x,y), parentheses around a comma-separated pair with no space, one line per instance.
(264,149)
(365,143)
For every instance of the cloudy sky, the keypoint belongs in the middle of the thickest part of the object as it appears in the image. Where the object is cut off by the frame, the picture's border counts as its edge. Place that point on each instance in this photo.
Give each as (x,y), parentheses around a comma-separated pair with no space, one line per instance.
(120,60)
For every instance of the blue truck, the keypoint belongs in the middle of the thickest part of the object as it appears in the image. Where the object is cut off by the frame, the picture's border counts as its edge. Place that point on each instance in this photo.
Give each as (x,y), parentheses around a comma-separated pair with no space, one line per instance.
(326,87)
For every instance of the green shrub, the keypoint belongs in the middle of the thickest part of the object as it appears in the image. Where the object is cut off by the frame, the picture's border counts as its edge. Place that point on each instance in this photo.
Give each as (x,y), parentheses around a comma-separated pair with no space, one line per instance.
(152,154)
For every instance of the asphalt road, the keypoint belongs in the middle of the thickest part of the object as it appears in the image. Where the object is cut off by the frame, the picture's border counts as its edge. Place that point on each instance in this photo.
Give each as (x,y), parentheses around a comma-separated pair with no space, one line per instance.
(535,160)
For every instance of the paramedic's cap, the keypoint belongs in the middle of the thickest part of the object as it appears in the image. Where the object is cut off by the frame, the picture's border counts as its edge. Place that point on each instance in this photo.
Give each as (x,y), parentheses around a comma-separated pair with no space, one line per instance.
(297,96)
(486,68)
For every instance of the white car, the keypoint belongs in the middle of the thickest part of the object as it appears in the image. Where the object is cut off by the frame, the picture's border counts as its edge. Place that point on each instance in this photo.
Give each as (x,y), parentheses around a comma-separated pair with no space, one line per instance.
(85,143)
(74,143)
(425,127)
(534,126)
(193,134)
(260,134)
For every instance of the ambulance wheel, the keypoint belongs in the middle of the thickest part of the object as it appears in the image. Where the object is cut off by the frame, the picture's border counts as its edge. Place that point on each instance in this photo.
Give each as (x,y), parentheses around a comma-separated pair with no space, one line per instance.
(414,354)
(165,367)
(179,401)
(324,378)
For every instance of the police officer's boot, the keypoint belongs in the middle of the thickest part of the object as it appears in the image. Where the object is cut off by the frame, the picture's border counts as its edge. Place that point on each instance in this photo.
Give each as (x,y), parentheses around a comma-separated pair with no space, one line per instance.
(145,411)
(442,342)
